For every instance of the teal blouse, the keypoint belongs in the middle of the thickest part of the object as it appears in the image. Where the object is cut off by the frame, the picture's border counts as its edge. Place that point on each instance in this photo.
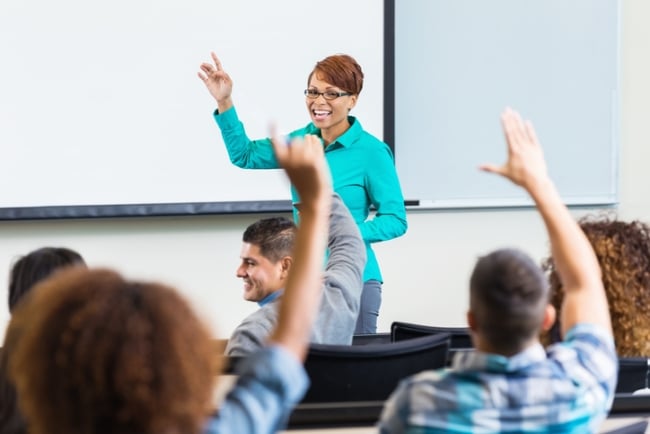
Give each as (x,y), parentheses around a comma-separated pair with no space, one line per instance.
(363,174)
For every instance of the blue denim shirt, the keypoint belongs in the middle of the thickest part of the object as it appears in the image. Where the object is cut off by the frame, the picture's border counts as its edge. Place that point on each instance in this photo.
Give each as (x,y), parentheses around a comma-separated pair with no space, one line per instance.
(270,383)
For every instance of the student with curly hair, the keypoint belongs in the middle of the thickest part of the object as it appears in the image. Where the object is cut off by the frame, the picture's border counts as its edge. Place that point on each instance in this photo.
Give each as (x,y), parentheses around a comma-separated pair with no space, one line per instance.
(623,251)
(100,354)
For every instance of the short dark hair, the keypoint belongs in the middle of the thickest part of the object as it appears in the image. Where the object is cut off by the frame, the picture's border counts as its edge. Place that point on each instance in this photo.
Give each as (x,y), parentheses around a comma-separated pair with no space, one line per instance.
(508,296)
(342,71)
(36,266)
(95,353)
(275,236)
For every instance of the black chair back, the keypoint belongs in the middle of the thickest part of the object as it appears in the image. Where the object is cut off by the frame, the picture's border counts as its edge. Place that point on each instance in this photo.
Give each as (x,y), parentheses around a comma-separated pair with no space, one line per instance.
(632,374)
(371,338)
(369,372)
(460,336)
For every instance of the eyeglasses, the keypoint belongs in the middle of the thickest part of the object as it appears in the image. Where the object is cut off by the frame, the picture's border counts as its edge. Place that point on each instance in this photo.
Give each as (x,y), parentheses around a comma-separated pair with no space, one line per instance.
(328,94)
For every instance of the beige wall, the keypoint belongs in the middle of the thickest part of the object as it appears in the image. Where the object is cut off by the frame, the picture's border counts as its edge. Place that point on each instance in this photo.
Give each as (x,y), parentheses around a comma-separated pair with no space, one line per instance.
(425,272)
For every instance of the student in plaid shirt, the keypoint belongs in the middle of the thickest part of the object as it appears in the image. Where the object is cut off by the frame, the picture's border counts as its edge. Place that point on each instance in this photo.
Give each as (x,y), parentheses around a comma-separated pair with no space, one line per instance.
(510,383)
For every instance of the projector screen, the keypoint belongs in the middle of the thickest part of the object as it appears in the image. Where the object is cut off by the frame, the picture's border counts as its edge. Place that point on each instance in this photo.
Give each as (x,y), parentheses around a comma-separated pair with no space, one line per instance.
(102,112)
(459,63)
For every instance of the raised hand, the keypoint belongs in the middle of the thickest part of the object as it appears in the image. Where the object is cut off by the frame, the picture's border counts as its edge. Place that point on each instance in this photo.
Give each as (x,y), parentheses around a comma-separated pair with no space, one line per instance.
(303,160)
(525,164)
(217,81)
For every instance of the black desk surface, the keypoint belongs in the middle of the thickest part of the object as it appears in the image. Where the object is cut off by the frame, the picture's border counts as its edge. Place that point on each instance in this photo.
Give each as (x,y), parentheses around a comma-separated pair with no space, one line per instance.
(627,409)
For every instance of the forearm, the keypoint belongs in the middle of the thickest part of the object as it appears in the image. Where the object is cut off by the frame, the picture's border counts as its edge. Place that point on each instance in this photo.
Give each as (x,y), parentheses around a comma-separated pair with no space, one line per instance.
(576,262)
(384,227)
(242,151)
(383,189)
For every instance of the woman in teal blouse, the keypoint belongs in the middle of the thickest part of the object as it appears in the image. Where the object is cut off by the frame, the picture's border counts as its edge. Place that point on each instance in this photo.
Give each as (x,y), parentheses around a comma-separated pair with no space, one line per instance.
(362,166)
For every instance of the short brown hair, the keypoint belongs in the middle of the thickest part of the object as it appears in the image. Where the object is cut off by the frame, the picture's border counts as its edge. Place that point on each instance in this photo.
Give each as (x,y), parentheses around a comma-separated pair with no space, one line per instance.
(340,70)
(275,237)
(623,252)
(508,297)
(98,354)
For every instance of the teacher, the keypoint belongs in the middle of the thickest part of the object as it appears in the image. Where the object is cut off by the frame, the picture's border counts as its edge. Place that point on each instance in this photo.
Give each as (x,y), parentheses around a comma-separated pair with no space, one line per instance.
(362,166)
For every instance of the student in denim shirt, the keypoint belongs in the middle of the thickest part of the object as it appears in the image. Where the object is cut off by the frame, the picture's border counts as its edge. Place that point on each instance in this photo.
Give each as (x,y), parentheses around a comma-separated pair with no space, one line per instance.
(98,353)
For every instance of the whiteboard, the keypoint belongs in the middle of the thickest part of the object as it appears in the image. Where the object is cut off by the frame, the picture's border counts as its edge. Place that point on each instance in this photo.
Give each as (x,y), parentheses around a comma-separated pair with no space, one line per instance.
(102,113)
(459,63)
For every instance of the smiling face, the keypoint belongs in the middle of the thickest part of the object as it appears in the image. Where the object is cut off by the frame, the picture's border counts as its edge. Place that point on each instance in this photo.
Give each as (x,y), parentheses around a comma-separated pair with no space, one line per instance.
(261,276)
(330,116)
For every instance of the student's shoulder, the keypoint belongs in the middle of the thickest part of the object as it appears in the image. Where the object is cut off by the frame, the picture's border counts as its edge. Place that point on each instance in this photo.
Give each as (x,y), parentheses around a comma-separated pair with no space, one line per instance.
(586,347)
(589,335)
(266,317)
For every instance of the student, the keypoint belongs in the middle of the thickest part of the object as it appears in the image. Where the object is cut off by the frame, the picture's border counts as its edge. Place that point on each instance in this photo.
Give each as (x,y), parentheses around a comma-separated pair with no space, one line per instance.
(265,264)
(24,274)
(623,252)
(511,384)
(101,354)
(362,166)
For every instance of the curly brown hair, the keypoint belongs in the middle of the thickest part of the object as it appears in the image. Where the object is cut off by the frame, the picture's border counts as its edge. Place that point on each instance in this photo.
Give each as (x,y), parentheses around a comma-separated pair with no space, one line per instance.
(623,252)
(98,354)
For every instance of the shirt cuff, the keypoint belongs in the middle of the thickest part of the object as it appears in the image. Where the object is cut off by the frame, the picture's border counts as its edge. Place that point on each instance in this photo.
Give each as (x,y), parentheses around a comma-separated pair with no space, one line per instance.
(227,119)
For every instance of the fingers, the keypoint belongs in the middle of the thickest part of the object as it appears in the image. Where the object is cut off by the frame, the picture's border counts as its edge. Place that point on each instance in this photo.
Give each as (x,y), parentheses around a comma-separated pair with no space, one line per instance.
(300,152)
(492,168)
(530,131)
(280,146)
(211,70)
(513,129)
(215,59)
(204,73)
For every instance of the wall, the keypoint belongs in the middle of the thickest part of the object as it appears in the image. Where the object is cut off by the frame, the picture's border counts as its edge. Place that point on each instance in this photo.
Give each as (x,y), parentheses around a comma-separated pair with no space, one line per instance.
(426,271)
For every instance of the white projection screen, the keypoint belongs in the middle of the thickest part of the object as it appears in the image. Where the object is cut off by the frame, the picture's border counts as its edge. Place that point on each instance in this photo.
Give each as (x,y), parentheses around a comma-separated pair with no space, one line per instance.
(102,112)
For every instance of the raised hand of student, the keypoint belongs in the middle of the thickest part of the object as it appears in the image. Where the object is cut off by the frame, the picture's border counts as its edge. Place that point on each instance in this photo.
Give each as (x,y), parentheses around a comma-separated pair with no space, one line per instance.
(303,160)
(217,81)
(525,165)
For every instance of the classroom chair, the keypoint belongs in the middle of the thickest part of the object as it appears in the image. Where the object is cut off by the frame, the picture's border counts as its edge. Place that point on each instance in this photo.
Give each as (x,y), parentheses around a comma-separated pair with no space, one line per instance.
(460,336)
(371,338)
(369,372)
(632,374)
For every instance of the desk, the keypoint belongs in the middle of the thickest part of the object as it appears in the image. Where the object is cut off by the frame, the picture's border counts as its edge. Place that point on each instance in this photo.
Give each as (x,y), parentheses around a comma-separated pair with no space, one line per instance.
(344,430)
(615,422)
(637,406)
(609,425)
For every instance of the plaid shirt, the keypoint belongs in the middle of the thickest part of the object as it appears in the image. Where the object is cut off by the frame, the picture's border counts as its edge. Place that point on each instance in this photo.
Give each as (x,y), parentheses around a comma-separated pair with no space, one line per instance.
(567,390)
